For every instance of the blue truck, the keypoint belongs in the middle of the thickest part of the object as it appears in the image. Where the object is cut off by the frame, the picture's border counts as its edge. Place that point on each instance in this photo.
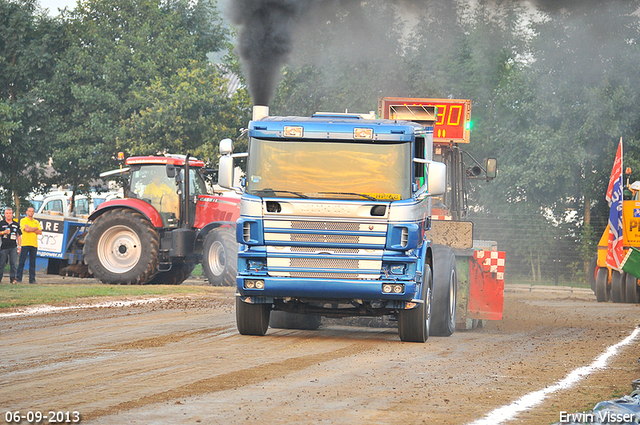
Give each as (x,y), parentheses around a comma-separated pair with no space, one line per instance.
(333,218)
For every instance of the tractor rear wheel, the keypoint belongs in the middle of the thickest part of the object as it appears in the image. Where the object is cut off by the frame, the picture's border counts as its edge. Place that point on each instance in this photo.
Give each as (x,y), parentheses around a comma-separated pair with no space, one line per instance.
(602,276)
(220,257)
(445,289)
(631,289)
(121,247)
(413,324)
(617,286)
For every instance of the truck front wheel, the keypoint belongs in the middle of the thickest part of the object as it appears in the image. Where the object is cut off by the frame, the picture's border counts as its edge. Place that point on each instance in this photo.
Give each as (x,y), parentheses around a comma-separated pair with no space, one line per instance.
(220,257)
(445,290)
(121,247)
(413,324)
(252,319)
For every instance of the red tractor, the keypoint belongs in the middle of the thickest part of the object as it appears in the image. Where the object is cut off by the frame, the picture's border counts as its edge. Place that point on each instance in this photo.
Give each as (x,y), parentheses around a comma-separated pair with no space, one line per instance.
(164,226)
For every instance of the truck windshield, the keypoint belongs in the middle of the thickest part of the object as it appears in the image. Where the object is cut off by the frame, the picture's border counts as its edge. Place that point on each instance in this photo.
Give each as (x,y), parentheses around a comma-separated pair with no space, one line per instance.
(334,170)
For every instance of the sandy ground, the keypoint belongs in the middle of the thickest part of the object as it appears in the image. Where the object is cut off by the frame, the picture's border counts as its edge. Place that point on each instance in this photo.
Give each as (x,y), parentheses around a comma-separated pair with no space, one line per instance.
(180,360)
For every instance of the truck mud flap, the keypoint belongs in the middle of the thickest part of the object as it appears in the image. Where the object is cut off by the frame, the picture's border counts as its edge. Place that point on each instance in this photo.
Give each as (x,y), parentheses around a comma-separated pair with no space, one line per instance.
(486,285)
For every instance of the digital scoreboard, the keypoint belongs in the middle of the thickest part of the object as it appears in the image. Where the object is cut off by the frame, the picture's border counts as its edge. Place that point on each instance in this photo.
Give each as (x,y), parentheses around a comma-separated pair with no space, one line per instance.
(452,116)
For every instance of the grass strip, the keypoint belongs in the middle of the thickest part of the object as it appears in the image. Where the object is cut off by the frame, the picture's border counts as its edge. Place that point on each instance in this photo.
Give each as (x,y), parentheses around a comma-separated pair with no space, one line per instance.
(25,295)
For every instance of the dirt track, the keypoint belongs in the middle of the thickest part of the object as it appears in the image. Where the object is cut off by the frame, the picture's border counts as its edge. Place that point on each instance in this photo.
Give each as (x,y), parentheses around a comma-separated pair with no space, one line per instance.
(181,360)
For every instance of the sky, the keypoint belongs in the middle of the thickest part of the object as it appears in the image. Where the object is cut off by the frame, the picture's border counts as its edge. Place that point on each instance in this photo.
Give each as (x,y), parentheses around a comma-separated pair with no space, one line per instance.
(54,5)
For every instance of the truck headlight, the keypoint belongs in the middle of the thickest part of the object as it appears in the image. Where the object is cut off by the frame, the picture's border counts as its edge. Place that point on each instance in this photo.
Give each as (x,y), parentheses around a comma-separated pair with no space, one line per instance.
(253,284)
(396,288)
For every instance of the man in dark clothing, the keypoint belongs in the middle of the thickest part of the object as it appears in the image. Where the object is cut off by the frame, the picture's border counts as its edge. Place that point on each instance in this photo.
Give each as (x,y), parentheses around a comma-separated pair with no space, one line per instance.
(11,241)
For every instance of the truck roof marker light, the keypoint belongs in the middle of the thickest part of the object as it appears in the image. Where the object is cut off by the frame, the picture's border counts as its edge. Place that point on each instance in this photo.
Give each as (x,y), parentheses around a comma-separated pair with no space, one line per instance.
(363,133)
(293,131)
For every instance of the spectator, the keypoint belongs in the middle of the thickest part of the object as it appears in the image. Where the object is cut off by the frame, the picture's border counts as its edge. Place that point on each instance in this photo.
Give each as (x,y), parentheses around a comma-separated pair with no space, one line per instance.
(30,230)
(11,241)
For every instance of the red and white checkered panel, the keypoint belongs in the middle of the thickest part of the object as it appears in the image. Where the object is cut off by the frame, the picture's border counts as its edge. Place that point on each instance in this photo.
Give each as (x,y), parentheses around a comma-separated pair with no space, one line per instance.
(492,262)
(441,217)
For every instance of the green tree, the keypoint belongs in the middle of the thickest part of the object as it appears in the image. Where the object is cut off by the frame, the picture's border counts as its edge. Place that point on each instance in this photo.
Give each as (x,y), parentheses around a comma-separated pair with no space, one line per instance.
(119,52)
(188,112)
(29,44)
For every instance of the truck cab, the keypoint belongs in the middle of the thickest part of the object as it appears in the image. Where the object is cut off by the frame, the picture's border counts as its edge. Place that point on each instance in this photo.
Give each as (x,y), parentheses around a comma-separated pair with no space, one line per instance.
(333,219)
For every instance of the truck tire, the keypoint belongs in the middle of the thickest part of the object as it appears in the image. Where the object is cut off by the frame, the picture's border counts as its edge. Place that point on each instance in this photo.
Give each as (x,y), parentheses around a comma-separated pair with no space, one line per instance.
(445,290)
(179,273)
(617,286)
(602,276)
(284,320)
(631,289)
(413,324)
(220,257)
(121,247)
(252,319)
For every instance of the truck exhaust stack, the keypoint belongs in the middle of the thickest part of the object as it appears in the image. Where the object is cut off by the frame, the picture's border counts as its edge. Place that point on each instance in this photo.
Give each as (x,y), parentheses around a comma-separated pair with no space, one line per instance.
(260,111)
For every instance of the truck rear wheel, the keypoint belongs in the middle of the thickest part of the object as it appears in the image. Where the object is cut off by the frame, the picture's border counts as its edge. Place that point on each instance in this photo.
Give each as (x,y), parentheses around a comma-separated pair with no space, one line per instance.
(220,257)
(121,247)
(631,289)
(413,324)
(445,290)
(284,320)
(602,276)
(252,319)
(617,286)
(179,273)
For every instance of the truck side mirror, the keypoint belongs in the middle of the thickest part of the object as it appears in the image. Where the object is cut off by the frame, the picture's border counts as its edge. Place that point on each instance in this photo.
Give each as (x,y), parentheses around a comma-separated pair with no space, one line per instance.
(492,168)
(225,165)
(436,179)
(226,147)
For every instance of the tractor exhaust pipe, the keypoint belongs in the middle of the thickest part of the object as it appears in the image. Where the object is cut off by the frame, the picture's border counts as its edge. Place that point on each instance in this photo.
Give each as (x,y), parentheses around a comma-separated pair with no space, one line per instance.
(260,111)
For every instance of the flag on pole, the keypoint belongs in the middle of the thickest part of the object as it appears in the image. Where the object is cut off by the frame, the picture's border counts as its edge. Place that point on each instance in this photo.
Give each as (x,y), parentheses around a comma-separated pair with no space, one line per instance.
(615,252)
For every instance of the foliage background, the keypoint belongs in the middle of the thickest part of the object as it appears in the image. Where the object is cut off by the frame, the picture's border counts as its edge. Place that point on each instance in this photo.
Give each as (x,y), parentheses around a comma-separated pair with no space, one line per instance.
(554,86)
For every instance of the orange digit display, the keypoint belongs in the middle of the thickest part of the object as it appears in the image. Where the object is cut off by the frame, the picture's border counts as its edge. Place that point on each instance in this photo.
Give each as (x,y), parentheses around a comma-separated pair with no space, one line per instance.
(451,120)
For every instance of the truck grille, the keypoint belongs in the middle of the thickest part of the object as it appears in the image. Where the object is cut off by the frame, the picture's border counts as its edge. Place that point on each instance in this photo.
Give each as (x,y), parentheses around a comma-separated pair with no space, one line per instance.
(324,249)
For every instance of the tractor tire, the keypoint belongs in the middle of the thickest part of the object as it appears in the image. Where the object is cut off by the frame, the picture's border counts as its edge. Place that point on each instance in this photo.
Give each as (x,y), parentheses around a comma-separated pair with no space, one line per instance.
(631,289)
(284,320)
(121,247)
(413,324)
(179,273)
(220,257)
(602,276)
(593,266)
(617,286)
(252,319)
(445,290)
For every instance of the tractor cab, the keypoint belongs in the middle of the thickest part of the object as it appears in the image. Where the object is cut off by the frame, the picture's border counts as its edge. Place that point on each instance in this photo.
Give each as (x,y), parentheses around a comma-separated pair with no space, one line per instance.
(160,181)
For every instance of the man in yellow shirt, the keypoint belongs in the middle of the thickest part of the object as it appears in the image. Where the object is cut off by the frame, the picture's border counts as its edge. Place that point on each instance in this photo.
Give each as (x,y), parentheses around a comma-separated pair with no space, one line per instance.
(30,230)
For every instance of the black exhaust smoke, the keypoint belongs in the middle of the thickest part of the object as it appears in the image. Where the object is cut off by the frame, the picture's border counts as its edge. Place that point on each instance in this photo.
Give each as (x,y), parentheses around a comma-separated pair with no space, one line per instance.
(265,41)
